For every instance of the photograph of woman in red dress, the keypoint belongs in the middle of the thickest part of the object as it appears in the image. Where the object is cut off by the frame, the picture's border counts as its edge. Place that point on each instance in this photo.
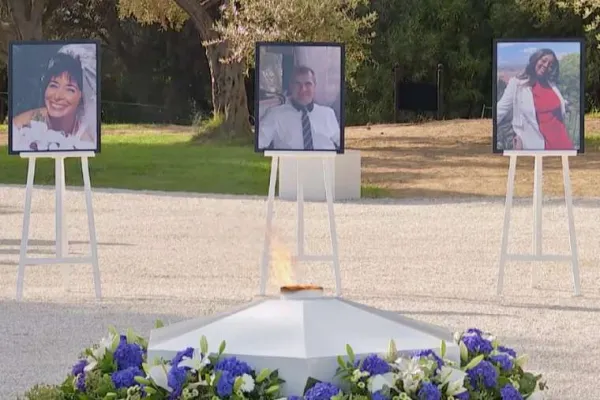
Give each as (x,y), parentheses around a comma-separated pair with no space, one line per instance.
(538,106)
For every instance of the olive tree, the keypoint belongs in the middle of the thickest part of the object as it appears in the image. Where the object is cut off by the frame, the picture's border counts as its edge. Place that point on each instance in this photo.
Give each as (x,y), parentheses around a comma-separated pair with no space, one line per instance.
(229,30)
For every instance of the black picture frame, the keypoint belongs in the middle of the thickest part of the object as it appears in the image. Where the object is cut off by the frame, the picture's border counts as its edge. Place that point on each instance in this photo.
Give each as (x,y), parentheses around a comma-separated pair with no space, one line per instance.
(499,141)
(25,94)
(286,48)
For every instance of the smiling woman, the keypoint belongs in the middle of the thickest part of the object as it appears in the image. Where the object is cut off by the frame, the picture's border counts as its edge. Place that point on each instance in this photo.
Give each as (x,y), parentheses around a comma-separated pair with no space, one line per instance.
(65,114)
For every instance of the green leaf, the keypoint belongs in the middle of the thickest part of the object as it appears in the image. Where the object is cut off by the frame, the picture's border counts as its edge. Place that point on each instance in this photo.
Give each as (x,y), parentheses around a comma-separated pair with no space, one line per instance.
(263,375)
(341,362)
(204,345)
(142,380)
(238,384)
(110,395)
(115,342)
(272,389)
(473,363)
(464,352)
(150,390)
(222,347)
(392,351)
(158,324)
(443,350)
(522,360)
(310,382)
(131,336)
(350,353)
(113,330)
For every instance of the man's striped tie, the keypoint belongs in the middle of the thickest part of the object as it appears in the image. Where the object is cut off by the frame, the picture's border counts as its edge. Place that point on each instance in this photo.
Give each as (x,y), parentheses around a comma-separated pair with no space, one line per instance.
(306,131)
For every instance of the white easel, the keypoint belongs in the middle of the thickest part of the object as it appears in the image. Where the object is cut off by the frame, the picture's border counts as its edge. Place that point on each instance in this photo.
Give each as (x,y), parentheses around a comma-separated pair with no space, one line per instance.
(328,159)
(537,209)
(61,233)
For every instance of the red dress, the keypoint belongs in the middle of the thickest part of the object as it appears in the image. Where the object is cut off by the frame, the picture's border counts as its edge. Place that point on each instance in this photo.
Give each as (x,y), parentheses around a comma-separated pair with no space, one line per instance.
(548,111)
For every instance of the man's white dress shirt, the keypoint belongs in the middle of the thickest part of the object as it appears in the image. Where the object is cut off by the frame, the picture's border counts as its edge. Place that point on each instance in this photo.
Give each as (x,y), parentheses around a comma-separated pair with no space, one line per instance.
(282,125)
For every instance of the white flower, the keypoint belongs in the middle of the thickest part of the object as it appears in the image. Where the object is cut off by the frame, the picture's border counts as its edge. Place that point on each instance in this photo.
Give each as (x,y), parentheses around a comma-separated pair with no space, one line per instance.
(376,382)
(99,351)
(247,383)
(455,378)
(411,373)
(537,395)
(197,362)
(158,373)
(456,337)
(449,374)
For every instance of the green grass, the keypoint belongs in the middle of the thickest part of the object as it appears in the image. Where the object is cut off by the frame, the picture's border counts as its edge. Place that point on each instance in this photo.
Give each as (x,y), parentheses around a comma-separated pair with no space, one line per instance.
(166,162)
(156,162)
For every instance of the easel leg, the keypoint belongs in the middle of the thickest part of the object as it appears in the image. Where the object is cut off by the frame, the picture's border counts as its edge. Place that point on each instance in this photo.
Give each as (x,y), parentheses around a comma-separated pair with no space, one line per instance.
(299,220)
(62,244)
(328,180)
(25,232)
(85,170)
(538,186)
(572,238)
(60,185)
(507,208)
(264,267)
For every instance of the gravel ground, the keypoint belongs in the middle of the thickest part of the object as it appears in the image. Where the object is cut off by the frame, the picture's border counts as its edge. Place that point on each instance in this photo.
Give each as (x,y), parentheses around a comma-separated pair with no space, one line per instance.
(177,256)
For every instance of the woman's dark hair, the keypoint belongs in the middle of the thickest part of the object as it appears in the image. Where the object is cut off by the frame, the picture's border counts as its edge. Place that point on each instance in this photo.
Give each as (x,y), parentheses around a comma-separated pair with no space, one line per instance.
(60,64)
(553,70)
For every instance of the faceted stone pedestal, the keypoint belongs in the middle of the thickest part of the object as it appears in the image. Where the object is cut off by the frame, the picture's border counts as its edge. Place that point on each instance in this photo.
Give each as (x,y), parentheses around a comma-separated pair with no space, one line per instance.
(301,334)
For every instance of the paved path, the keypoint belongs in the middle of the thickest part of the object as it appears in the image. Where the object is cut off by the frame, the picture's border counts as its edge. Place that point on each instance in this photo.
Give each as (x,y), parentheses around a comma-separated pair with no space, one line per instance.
(179,256)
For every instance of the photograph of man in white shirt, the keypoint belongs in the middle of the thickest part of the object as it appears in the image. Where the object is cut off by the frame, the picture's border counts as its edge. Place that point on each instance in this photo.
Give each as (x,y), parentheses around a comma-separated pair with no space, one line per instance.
(300,123)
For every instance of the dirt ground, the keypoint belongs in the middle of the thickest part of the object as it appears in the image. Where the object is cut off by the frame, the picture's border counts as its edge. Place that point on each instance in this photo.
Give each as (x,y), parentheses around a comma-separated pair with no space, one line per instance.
(443,159)
(455,159)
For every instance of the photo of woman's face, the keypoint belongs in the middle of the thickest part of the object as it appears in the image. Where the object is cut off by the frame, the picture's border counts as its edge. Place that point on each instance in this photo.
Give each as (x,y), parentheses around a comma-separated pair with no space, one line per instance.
(62,96)
(544,65)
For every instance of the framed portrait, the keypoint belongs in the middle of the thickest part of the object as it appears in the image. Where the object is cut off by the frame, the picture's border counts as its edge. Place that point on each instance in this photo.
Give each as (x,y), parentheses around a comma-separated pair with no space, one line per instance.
(54,96)
(299,96)
(538,94)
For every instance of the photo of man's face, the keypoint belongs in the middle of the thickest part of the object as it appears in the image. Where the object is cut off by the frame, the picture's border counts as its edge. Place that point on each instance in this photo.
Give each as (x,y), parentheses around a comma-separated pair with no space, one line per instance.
(303,88)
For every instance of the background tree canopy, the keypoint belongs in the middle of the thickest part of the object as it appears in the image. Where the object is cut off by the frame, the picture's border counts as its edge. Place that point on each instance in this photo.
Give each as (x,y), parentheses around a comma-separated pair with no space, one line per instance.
(162,58)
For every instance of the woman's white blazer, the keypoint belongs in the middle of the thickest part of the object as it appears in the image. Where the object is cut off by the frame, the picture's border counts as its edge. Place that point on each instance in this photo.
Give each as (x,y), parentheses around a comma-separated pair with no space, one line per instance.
(517,100)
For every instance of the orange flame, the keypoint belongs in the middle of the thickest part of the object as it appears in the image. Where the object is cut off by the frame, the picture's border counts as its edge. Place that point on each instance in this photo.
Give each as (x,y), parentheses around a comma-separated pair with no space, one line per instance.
(282,263)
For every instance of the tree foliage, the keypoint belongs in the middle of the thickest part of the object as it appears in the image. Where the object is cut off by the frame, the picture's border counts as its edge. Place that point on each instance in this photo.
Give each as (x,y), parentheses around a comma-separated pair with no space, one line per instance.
(165,12)
(248,21)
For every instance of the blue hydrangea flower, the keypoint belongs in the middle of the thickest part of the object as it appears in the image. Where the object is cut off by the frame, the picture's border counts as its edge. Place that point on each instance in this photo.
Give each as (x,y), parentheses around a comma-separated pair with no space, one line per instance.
(485,373)
(322,391)
(477,344)
(189,352)
(502,360)
(378,396)
(430,354)
(234,366)
(176,378)
(225,384)
(78,367)
(128,355)
(508,392)
(374,365)
(462,396)
(429,391)
(125,377)
(80,382)
(508,351)
(475,331)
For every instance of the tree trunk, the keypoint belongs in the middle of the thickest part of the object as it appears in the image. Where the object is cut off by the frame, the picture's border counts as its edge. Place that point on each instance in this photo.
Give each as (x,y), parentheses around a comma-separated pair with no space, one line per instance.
(22,22)
(228,92)
(227,80)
